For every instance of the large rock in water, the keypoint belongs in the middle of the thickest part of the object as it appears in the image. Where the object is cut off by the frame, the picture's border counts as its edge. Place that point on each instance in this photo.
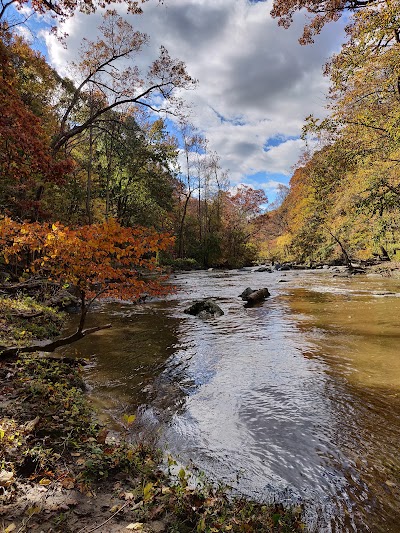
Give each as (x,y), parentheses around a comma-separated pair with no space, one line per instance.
(246,293)
(204,309)
(256,297)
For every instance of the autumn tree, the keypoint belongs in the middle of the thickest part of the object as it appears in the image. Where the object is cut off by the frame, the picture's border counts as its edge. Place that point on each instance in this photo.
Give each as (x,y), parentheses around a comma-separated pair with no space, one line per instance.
(100,260)
(240,215)
(27,122)
(320,12)
(106,66)
(60,10)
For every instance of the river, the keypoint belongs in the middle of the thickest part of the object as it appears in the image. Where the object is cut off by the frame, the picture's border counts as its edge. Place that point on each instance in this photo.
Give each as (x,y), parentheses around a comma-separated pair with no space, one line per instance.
(295,400)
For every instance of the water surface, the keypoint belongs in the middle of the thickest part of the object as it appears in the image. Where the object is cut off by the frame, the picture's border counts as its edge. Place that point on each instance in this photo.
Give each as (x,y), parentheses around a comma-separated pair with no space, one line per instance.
(297,399)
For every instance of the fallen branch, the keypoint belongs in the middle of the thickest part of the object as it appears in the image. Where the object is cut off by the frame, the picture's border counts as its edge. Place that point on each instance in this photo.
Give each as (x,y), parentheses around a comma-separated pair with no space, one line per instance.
(26,286)
(136,506)
(49,346)
(27,316)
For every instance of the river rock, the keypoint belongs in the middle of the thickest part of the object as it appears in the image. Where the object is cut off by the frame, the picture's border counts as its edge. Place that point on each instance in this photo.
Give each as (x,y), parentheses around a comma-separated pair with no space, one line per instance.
(263,269)
(256,297)
(246,293)
(204,309)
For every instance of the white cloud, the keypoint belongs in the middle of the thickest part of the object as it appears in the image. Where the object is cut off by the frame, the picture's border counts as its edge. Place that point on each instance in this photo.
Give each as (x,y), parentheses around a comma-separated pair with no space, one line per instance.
(272,185)
(25,32)
(255,81)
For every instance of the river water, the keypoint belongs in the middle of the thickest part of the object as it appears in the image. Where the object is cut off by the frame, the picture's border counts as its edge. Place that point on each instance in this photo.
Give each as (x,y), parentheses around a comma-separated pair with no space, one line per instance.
(295,400)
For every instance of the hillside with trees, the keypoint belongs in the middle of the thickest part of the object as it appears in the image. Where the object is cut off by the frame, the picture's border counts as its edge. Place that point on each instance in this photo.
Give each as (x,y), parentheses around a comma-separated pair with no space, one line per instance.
(344,197)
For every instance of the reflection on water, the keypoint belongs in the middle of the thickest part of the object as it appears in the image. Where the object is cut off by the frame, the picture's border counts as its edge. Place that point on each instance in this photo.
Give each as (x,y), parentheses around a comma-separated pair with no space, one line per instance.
(296,400)
(125,359)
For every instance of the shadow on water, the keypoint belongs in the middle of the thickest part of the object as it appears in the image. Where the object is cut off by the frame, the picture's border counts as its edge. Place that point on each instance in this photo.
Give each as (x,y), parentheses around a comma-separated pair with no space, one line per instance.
(125,361)
(295,400)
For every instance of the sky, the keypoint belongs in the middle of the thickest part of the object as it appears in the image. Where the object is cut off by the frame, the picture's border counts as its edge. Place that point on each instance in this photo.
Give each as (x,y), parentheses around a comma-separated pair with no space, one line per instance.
(256,83)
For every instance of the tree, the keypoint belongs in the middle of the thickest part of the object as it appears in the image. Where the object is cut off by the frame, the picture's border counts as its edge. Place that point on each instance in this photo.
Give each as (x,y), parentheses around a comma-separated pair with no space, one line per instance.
(144,158)
(321,12)
(104,67)
(61,10)
(100,260)
(240,220)
(27,165)
(193,145)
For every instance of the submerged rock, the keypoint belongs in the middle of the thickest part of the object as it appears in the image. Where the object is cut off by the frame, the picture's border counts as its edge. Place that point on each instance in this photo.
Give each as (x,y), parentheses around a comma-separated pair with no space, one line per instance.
(204,309)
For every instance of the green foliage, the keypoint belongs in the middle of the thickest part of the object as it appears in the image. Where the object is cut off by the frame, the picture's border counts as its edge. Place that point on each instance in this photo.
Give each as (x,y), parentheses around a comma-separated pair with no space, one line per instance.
(185,263)
(22,319)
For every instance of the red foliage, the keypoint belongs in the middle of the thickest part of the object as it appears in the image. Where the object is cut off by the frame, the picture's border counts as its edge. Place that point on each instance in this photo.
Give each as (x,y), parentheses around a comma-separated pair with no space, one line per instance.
(26,161)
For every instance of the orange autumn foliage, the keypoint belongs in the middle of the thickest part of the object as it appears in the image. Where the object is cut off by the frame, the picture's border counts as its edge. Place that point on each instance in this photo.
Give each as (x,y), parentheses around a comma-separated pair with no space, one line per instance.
(99,260)
(27,165)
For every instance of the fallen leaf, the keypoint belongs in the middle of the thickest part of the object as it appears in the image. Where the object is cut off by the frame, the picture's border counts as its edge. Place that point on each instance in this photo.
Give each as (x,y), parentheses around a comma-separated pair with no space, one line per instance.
(148,492)
(45,481)
(10,528)
(129,419)
(31,425)
(68,483)
(129,495)
(137,526)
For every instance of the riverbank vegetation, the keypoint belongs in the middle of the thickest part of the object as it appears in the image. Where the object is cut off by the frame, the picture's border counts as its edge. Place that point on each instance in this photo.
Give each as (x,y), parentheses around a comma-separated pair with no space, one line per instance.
(343,201)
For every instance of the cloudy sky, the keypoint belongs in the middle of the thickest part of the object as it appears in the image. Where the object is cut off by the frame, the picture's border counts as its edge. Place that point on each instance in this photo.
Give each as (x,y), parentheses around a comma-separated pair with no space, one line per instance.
(256,83)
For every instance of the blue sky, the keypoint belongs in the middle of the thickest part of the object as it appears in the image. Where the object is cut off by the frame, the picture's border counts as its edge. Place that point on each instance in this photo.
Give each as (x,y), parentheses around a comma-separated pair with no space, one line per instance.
(256,83)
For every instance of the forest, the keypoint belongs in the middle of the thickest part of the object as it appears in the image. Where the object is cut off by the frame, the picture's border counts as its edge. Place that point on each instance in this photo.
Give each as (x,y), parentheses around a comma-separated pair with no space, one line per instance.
(344,196)
(95,148)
